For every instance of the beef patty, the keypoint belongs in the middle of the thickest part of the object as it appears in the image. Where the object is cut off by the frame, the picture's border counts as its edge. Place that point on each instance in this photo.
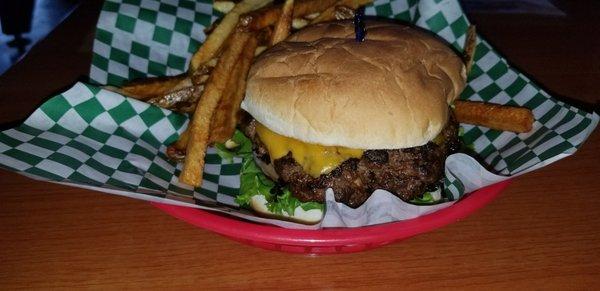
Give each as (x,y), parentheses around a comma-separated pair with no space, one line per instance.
(407,173)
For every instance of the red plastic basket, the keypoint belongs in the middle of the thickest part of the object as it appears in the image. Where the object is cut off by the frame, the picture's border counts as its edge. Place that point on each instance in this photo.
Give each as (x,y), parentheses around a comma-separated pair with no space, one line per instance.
(331,240)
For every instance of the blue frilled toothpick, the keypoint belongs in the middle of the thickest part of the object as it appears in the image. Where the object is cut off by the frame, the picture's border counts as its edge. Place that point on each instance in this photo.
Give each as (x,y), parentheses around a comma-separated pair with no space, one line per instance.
(359,24)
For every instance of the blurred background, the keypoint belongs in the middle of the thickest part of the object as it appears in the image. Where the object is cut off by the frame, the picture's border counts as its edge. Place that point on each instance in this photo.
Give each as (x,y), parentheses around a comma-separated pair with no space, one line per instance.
(25,22)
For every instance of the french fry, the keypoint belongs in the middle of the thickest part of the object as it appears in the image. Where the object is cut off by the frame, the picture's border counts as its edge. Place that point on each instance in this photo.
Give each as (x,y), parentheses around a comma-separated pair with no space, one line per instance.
(175,155)
(179,100)
(354,4)
(259,50)
(500,117)
(144,89)
(312,15)
(113,89)
(179,147)
(283,25)
(223,6)
(267,16)
(176,151)
(209,29)
(298,23)
(199,127)
(225,118)
(327,15)
(170,99)
(181,143)
(221,118)
(200,76)
(265,35)
(469,48)
(200,79)
(219,35)
(343,9)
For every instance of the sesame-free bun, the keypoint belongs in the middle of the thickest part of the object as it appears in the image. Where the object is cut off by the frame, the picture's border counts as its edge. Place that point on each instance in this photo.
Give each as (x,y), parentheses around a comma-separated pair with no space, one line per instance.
(389,92)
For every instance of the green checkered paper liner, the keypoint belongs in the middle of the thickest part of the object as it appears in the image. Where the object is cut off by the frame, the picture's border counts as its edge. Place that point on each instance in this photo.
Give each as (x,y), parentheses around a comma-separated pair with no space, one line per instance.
(93,138)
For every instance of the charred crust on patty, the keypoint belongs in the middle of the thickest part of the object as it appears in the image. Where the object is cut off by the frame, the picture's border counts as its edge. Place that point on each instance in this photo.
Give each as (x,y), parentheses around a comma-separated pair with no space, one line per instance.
(406,173)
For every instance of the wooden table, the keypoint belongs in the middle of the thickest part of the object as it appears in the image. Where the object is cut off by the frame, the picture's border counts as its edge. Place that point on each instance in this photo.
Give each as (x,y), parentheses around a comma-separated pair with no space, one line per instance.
(542,232)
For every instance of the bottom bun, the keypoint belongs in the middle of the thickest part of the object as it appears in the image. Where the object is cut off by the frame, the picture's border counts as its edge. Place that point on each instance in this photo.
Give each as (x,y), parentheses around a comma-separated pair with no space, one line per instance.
(312,216)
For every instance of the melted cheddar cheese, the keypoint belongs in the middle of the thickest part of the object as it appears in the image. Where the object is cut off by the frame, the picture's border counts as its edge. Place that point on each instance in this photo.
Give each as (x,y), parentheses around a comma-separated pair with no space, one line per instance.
(315,159)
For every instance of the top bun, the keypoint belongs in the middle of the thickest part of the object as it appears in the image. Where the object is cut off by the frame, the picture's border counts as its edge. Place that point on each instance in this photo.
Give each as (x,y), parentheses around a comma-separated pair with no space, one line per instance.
(389,92)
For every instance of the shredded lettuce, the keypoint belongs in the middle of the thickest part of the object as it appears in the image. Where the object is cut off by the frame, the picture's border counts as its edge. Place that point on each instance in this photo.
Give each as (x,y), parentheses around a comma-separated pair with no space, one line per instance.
(428,198)
(254,182)
(223,152)
(285,202)
(467,145)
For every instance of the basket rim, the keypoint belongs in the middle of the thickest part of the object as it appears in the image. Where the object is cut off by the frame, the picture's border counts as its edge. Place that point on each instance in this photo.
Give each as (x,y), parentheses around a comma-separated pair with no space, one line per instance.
(374,234)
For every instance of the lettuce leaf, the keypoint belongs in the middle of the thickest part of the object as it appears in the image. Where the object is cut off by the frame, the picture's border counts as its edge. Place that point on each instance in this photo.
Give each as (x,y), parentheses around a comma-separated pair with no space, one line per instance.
(426,198)
(224,152)
(429,198)
(254,182)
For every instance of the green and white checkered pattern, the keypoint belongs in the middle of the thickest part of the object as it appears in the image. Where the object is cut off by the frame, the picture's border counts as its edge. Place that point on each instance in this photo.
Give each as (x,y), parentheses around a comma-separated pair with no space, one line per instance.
(88,136)
(139,38)
(99,138)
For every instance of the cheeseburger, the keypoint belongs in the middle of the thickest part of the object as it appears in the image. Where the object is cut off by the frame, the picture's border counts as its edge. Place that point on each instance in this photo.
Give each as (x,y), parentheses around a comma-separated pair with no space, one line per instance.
(330,112)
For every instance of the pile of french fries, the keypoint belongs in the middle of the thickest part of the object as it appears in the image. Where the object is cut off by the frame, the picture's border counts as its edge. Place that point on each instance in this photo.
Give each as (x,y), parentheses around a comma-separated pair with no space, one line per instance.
(214,86)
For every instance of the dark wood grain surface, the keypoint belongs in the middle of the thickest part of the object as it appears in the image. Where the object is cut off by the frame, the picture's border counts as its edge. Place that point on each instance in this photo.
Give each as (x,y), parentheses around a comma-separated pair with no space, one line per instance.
(541,233)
